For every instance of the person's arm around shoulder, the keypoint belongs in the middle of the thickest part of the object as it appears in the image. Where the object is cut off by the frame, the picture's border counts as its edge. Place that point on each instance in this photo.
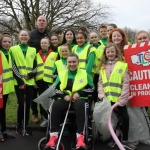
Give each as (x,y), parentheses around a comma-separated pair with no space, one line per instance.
(90,62)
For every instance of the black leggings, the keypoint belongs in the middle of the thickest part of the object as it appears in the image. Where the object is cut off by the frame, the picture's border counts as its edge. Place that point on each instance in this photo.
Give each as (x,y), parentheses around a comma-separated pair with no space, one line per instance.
(122,111)
(23,94)
(3,113)
(42,87)
(60,106)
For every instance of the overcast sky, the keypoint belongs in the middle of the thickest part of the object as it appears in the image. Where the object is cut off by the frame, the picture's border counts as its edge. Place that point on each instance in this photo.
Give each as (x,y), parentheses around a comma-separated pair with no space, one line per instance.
(130,13)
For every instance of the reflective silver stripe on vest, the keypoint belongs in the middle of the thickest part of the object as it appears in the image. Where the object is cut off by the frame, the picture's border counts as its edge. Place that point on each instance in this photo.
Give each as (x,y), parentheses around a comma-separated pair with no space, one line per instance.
(29,68)
(112,84)
(82,60)
(21,67)
(7,70)
(47,67)
(48,76)
(8,79)
(39,65)
(39,73)
(112,94)
(82,68)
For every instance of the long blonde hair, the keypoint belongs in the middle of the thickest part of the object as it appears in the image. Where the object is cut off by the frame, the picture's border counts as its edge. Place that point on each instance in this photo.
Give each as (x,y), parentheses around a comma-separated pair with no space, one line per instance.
(104,58)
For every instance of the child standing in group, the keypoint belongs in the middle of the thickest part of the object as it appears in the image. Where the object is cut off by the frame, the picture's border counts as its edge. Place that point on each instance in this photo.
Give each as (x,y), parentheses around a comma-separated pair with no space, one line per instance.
(110,27)
(23,57)
(94,40)
(54,44)
(61,64)
(103,34)
(44,75)
(85,52)
(69,38)
(114,84)
(7,80)
(118,37)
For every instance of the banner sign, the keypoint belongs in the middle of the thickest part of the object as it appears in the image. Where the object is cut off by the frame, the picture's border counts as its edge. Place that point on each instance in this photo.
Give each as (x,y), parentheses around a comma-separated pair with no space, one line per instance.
(138,58)
(1,83)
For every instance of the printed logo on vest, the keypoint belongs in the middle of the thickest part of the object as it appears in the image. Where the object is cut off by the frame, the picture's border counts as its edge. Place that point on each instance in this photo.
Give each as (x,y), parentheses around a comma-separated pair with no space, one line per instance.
(119,71)
(32,56)
(51,58)
(64,67)
(81,81)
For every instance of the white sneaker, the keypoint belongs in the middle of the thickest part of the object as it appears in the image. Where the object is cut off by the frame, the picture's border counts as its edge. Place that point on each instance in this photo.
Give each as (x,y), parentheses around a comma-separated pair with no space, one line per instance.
(44,123)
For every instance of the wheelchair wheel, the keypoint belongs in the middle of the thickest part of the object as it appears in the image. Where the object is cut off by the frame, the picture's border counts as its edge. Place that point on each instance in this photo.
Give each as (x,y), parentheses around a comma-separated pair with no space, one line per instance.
(94,131)
(61,147)
(41,144)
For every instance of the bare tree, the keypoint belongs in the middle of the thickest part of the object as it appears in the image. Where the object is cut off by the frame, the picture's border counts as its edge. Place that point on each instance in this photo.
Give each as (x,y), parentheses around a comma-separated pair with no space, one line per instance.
(130,34)
(18,14)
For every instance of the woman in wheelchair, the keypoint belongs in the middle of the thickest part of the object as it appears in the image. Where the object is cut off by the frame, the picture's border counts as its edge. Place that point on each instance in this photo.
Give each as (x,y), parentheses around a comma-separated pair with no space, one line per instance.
(114,84)
(72,85)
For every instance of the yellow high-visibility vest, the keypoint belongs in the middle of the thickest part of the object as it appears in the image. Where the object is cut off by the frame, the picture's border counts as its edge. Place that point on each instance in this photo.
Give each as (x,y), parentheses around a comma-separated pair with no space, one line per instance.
(24,63)
(98,53)
(79,83)
(113,87)
(7,75)
(83,58)
(44,70)
(60,66)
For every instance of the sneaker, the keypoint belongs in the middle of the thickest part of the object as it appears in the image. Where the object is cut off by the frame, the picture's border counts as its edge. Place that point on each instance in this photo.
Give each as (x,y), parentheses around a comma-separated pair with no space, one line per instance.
(128,145)
(35,119)
(8,134)
(44,124)
(19,129)
(111,143)
(28,131)
(1,137)
(80,141)
(53,140)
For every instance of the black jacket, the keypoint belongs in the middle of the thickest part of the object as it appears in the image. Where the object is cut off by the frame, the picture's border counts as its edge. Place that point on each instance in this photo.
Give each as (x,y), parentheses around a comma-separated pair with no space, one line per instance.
(35,38)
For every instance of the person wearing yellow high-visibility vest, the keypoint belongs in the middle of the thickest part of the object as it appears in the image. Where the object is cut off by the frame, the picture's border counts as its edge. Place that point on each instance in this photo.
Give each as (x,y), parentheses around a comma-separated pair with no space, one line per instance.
(73,85)
(44,72)
(7,80)
(94,40)
(69,38)
(61,64)
(85,52)
(23,57)
(114,84)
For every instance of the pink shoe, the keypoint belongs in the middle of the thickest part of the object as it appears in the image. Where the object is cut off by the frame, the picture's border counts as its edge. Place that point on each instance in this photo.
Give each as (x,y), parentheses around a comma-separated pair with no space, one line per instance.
(52,141)
(80,141)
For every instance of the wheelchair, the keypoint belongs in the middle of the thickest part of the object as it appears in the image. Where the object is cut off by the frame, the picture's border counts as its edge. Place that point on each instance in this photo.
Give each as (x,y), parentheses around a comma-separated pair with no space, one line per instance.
(91,133)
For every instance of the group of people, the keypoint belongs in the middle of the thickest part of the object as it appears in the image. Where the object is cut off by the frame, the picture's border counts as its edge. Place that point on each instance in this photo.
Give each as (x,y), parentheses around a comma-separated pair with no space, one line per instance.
(76,64)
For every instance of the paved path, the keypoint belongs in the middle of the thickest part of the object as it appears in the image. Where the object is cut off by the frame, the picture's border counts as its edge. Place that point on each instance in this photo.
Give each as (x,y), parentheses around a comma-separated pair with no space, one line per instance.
(30,143)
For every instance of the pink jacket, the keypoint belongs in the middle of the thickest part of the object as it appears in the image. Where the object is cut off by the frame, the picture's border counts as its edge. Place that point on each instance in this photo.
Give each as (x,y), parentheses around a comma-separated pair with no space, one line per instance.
(123,98)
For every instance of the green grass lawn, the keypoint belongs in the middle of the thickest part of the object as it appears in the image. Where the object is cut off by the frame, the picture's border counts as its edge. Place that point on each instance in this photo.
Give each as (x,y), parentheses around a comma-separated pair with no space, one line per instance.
(11,110)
